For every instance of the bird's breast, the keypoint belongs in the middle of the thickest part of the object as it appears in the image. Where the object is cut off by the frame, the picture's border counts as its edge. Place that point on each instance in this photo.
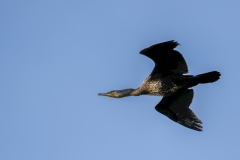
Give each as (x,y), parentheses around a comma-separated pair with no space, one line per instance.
(160,86)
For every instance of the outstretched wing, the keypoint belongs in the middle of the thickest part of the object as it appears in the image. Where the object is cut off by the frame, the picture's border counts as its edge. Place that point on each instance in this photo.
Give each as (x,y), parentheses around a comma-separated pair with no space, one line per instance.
(176,108)
(166,58)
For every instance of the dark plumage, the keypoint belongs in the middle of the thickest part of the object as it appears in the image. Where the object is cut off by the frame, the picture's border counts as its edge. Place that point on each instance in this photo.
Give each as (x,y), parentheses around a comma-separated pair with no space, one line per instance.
(167,80)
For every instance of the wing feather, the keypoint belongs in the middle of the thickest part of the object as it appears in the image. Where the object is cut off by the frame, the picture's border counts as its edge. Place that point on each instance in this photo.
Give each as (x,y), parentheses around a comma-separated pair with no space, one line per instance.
(166,58)
(176,108)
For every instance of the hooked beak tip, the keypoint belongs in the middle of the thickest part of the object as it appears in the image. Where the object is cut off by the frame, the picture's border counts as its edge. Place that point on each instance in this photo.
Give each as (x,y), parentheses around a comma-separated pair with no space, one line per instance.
(101,94)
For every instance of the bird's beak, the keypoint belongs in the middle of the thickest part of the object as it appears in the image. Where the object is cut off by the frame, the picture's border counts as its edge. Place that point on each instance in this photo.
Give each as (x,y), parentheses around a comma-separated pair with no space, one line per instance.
(102,94)
(106,94)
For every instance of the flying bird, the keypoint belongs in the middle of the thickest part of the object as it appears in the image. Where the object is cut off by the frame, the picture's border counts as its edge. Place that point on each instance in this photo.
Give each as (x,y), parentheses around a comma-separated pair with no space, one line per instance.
(168,80)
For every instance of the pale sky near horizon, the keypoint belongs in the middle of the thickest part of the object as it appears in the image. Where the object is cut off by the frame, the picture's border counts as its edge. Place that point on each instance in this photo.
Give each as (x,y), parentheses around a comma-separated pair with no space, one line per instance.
(56,56)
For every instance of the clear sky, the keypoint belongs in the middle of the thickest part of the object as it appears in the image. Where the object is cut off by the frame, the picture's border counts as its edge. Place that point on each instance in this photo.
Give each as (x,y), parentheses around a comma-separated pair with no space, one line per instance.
(56,56)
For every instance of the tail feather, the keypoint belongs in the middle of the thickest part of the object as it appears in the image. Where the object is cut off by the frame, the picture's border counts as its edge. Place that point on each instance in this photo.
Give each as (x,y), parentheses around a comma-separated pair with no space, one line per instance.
(208,77)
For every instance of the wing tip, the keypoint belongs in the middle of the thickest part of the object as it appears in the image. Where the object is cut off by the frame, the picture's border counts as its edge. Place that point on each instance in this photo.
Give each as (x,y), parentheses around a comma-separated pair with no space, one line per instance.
(197,126)
(167,45)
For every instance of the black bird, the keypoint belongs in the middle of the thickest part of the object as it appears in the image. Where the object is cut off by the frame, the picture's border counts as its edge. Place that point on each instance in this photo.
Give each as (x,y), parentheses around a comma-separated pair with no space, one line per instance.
(167,80)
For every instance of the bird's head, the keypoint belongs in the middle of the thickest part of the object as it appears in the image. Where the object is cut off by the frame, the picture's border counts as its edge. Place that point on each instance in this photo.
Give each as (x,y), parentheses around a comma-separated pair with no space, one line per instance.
(117,93)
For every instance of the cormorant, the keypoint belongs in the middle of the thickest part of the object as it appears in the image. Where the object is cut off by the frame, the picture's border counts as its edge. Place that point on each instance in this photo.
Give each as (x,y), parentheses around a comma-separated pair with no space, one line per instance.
(167,80)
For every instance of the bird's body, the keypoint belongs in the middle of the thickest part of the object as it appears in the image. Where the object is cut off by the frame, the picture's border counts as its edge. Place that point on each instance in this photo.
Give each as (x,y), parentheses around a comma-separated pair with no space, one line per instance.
(168,80)
(159,85)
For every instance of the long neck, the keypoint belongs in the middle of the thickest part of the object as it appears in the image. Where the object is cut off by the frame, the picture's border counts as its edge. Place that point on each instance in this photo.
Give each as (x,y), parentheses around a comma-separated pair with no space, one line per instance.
(131,92)
(136,92)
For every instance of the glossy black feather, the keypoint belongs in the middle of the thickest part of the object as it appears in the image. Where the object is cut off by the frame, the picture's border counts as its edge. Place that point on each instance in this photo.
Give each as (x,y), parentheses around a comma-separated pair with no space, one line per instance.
(176,107)
(167,60)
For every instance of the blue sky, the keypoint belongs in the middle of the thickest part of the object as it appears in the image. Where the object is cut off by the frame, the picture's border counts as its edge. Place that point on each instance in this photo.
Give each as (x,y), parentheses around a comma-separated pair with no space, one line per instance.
(56,56)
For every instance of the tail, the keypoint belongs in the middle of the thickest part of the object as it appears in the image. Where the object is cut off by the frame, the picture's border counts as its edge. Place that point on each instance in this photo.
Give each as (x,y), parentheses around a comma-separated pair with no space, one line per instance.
(208,77)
